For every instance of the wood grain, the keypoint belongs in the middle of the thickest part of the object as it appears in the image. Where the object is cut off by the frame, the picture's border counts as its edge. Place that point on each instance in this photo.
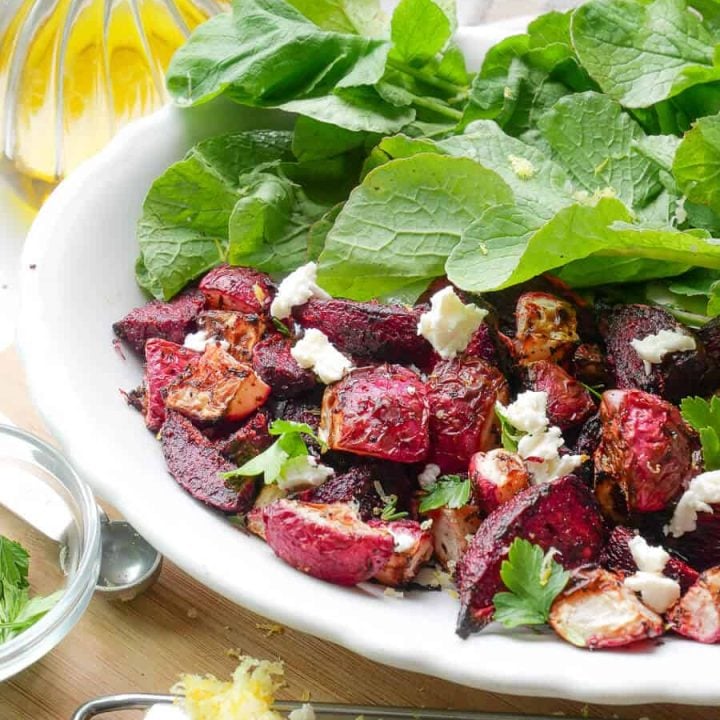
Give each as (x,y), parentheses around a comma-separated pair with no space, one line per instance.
(179,625)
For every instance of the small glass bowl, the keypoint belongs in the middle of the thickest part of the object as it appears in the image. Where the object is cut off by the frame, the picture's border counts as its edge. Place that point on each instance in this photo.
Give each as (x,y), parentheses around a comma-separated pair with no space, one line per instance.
(55,517)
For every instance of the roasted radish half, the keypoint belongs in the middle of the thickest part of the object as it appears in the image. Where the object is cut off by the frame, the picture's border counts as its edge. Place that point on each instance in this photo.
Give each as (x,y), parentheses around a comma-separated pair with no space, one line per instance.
(546,328)
(451,531)
(327,541)
(697,614)
(241,331)
(497,476)
(413,548)
(596,611)
(217,387)
(237,288)
(462,396)
(645,457)
(379,411)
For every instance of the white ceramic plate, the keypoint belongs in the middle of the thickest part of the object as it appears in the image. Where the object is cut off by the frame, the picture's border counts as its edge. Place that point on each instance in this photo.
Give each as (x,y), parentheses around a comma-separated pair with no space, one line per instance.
(81,250)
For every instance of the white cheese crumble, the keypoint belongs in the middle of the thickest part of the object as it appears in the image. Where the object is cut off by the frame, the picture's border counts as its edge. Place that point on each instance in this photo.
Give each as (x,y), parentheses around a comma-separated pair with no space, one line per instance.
(314,351)
(529,411)
(539,447)
(703,491)
(449,324)
(656,591)
(200,340)
(404,540)
(489,468)
(296,289)
(653,348)
(429,476)
(303,471)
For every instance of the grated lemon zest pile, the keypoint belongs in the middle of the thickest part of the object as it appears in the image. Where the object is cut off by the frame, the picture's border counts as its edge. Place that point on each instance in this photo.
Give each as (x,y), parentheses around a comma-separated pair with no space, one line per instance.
(249,696)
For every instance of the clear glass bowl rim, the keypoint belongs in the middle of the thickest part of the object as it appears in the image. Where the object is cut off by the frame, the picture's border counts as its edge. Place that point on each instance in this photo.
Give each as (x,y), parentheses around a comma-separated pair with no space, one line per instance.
(34,643)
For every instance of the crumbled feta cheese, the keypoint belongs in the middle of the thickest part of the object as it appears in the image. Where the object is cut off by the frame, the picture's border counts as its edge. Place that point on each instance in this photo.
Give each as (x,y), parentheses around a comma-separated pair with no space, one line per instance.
(404,540)
(648,558)
(540,452)
(161,711)
(200,340)
(449,324)
(429,476)
(522,167)
(704,490)
(529,411)
(656,591)
(304,712)
(489,468)
(296,289)
(303,471)
(316,352)
(653,348)
(426,524)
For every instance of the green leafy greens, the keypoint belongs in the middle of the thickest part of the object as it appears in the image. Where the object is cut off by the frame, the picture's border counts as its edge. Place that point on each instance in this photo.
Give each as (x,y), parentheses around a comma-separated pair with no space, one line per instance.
(452,491)
(533,580)
(704,416)
(18,611)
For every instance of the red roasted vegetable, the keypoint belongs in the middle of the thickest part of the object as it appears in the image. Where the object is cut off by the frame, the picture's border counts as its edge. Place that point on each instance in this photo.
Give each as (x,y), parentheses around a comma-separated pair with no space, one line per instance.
(241,331)
(249,440)
(378,411)
(413,548)
(700,547)
(462,396)
(164,361)
(451,529)
(368,330)
(589,366)
(546,328)
(497,476)
(697,614)
(356,485)
(596,610)
(166,320)
(237,288)
(274,363)
(329,542)
(561,514)
(616,556)
(217,387)
(645,457)
(569,403)
(196,464)
(679,374)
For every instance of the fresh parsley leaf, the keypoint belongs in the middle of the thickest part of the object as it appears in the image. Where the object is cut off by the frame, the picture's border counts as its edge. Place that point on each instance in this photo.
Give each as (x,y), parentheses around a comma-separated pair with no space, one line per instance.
(14,563)
(272,462)
(704,416)
(452,491)
(509,435)
(390,511)
(533,580)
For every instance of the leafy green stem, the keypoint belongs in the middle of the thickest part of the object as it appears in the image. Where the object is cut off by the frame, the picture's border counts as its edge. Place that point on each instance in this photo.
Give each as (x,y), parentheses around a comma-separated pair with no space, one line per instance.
(437,107)
(447,87)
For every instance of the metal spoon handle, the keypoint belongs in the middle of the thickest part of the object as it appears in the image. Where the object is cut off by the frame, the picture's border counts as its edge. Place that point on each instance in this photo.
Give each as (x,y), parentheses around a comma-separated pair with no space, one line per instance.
(327,711)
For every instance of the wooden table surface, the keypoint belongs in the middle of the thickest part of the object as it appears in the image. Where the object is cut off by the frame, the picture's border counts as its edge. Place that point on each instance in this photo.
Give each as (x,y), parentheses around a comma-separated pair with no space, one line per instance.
(179,625)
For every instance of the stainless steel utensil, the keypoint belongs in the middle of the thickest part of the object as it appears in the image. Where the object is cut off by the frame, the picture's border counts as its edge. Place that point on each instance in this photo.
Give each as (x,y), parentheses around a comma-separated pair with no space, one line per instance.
(326,711)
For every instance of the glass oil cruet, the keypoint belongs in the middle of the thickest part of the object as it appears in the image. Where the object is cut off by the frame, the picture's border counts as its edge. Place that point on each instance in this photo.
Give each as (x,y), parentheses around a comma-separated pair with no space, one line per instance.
(73,72)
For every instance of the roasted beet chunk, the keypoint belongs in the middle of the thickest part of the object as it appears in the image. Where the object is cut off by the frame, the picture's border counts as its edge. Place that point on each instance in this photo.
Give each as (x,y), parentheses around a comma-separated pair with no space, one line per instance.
(355,485)
(413,548)
(497,476)
(368,330)
(249,440)
(596,610)
(569,403)
(167,320)
(164,361)
(329,542)
(279,369)
(237,288)
(700,547)
(589,366)
(616,555)
(697,614)
(562,514)
(241,331)
(546,328)
(709,334)
(677,375)
(196,465)
(645,457)
(378,411)
(462,396)
(217,387)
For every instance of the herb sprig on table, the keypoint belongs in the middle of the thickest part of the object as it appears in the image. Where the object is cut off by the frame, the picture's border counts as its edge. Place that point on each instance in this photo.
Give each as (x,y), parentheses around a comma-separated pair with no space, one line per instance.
(18,611)
(581,147)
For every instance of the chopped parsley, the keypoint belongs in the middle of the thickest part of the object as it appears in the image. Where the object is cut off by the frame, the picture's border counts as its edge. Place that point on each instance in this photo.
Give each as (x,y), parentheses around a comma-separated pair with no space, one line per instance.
(704,416)
(452,491)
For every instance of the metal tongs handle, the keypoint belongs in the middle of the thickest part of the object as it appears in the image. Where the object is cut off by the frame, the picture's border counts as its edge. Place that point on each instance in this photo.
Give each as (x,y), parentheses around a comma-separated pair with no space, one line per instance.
(327,711)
